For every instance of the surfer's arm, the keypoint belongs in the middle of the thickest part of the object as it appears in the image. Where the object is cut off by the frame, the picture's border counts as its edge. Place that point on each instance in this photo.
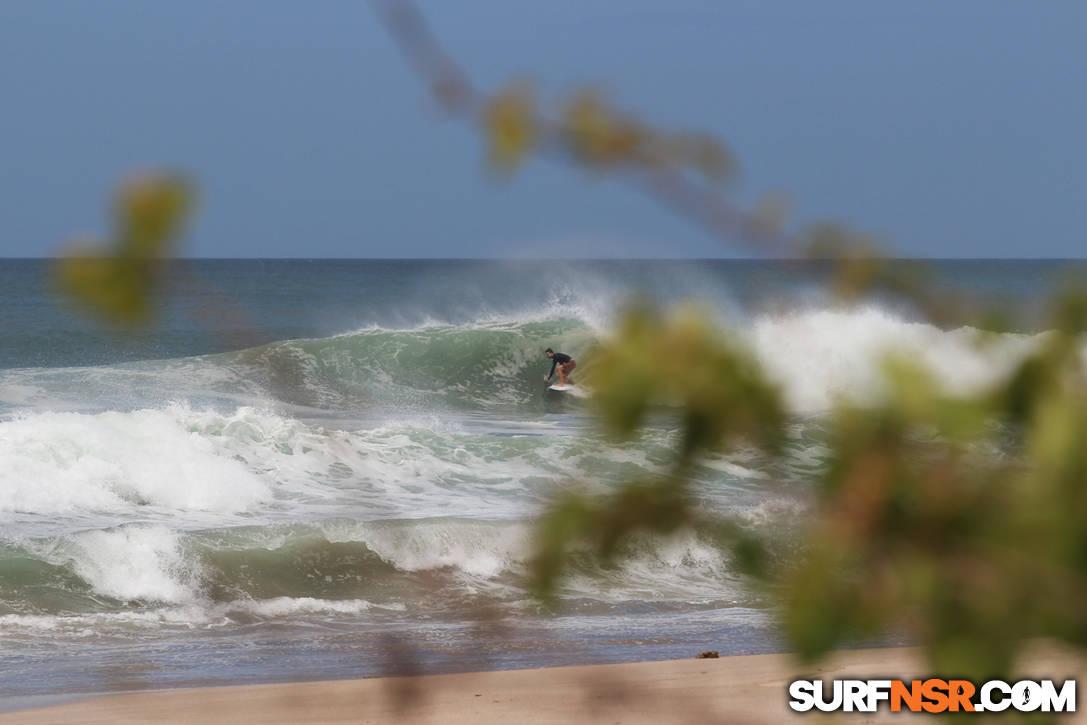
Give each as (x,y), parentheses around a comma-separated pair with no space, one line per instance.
(554,362)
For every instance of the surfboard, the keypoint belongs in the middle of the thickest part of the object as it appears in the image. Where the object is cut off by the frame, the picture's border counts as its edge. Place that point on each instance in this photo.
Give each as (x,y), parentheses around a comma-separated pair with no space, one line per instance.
(560,387)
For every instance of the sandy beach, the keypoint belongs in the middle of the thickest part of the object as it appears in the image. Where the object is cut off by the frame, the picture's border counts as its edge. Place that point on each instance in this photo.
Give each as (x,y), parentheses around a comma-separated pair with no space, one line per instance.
(743,689)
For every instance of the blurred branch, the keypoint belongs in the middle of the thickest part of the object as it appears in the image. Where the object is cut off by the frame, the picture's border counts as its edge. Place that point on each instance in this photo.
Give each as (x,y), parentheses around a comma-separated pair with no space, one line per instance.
(912,515)
(591,135)
(680,171)
(436,68)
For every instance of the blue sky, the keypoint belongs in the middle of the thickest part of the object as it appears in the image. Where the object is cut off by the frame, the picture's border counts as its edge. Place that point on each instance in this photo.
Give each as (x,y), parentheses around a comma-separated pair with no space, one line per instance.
(945,128)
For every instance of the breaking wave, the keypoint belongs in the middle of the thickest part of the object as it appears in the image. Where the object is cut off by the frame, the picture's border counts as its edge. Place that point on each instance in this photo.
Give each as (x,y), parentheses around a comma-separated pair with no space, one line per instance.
(373,473)
(816,356)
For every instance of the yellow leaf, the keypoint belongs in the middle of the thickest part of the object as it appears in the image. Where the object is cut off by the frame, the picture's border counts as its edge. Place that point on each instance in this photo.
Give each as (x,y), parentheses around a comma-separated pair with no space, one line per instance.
(118,281)
(117,289)
(510,125)
(151,211)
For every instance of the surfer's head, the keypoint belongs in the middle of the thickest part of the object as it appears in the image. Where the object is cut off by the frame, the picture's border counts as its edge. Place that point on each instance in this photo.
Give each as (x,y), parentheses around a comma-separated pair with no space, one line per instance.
(549,352)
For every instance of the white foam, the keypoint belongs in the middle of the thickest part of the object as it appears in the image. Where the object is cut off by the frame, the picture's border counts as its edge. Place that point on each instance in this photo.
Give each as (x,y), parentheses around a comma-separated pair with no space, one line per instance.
(680,566)
(132,562)
(820,356)
(477,548)
(190,615)
(720,463)
(288,606)
(62,462)
(199,469)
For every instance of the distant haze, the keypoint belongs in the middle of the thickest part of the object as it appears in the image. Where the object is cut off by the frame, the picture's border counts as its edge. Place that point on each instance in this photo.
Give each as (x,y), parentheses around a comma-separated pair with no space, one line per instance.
(948,129)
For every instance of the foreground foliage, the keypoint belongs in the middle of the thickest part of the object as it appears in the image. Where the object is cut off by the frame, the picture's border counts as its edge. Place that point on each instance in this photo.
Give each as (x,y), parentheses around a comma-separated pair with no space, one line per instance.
(960,521)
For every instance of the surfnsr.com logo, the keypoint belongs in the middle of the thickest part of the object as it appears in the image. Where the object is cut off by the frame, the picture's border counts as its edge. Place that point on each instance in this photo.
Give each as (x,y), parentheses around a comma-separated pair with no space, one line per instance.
(932,695)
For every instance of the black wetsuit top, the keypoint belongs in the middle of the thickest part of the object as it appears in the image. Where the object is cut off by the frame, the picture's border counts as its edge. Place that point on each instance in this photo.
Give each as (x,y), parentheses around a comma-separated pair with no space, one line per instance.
(557,358)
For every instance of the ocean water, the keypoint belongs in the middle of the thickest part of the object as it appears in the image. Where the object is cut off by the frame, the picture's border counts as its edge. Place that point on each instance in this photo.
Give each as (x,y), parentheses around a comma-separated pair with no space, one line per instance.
(325,469)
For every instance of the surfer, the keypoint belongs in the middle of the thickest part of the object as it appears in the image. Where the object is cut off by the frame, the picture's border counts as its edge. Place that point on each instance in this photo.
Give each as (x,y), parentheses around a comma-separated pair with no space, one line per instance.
(563,362)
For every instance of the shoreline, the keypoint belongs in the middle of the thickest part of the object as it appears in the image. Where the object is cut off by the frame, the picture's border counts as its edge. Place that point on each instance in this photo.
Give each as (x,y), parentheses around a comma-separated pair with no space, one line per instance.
(734,689)
(741,688)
